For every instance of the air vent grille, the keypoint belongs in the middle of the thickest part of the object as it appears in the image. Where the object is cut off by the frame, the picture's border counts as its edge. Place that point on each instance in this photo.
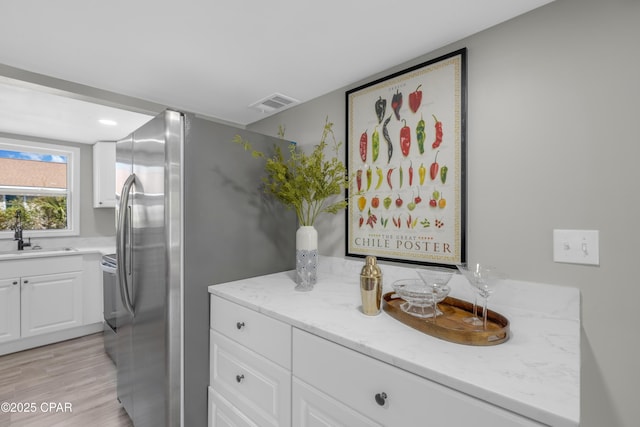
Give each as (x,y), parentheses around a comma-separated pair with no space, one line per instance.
(277,101)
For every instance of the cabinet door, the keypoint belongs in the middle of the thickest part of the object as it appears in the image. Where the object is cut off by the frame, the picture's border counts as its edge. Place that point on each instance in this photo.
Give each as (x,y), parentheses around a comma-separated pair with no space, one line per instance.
(104,175)
(312,408)
(50,303)
(9,309)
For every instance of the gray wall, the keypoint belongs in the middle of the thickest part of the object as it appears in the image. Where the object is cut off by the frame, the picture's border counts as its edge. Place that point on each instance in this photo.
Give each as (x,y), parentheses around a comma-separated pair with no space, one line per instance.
(93,222)
(552,143)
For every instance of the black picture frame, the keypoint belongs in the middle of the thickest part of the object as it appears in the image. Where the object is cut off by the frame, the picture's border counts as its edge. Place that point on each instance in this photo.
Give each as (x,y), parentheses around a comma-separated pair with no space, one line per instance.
(401,207)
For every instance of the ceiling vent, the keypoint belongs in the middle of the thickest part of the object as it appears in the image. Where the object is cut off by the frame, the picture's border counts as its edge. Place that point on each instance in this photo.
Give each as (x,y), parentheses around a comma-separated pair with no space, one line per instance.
(274,102)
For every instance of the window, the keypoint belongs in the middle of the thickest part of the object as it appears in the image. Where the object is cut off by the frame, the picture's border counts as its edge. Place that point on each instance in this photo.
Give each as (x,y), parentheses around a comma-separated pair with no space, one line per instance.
(41,182)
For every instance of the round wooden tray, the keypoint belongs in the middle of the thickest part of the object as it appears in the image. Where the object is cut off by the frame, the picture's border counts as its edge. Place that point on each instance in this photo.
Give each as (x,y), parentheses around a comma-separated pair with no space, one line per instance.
(450,326)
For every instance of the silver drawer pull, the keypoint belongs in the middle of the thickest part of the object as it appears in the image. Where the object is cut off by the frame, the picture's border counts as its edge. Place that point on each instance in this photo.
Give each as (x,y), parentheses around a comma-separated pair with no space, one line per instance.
(240,325)
(239,378)
(381,398)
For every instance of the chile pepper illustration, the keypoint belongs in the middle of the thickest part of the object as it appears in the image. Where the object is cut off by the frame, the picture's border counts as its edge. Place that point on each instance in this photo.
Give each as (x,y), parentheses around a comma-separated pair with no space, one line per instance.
(422,171)
(433,171)
(410,174)
(368,178)
(363,146)
(385,133)
(389,172)
(375,143)
(396,103)
(443,173)
(379,174)
(405,138)
(415,99)
(381,108)
(400,186)
(359,179)
(420,135)
(438,127)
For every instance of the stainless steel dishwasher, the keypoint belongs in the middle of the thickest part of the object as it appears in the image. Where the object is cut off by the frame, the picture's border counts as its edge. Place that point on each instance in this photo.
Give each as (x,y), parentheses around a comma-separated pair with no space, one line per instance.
(111,298)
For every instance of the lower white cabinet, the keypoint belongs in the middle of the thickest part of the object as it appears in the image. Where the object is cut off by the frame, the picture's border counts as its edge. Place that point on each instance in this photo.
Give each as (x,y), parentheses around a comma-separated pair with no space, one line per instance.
(250,368)
(385,393)
(9,309)
(50,302)
(39,296)
(325,385)
(312,408)
(223,414)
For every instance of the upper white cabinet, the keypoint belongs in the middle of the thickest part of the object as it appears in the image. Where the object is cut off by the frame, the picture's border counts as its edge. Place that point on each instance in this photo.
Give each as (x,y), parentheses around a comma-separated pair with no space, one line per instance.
(104,174)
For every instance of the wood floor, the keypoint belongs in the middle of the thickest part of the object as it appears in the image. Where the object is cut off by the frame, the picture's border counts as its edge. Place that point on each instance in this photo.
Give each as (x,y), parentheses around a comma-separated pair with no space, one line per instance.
(68,384)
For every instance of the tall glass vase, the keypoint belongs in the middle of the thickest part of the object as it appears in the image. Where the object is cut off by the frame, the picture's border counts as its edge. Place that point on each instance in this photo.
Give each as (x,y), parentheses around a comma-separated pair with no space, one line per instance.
(306,257)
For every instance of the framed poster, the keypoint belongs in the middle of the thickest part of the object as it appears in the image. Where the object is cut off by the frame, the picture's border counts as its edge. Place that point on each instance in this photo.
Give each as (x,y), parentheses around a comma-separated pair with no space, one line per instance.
(406,156)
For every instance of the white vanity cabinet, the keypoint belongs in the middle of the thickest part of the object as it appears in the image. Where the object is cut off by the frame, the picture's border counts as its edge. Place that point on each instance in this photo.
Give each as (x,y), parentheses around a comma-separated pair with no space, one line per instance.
(104,174)
(250,368)
(9,309)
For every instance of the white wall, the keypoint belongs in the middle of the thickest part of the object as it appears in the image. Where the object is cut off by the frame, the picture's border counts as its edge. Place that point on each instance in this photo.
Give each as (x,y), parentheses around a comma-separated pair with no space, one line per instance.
(553,104)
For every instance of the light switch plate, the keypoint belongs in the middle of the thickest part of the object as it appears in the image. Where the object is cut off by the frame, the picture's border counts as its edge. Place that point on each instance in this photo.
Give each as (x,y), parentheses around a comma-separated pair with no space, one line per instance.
(576,246)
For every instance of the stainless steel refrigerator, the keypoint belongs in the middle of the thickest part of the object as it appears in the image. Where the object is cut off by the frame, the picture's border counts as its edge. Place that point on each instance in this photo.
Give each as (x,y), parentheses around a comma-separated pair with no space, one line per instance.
(190,214)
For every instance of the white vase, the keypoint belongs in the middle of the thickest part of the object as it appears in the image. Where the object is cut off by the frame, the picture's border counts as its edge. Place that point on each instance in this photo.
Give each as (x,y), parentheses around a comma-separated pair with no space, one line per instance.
(306,257)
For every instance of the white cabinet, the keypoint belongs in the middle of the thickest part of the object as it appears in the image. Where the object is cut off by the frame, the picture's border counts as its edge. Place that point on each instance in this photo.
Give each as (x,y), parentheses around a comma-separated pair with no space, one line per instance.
(312,408)
(385,393)
(250,368)
(39,296)
(265,372)
(9,309)
(50,302)
(104,174)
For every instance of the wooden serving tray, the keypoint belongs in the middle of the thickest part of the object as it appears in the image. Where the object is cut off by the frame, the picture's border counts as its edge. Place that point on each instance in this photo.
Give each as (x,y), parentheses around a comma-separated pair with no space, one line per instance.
(450,326)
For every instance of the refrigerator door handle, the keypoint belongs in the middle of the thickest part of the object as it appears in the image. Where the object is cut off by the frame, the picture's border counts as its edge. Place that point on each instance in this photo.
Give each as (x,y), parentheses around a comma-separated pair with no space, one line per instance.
(121,238)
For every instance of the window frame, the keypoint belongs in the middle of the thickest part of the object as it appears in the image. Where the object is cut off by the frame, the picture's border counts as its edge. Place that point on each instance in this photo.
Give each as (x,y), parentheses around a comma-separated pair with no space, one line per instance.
(73,184)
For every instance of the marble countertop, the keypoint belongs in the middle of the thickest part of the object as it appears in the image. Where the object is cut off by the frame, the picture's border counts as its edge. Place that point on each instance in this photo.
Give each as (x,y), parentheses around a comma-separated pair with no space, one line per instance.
(535,373)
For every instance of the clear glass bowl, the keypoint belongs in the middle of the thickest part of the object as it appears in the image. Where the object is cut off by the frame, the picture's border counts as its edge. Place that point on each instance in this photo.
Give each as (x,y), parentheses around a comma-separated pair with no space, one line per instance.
(419,297)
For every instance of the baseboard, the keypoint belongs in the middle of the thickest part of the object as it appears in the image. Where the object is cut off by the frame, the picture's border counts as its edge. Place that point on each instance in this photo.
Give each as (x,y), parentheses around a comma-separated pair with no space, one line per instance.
(50,338)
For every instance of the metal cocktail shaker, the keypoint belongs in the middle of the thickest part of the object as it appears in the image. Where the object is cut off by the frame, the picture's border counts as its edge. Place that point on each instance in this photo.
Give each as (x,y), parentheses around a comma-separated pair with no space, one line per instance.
(371,287)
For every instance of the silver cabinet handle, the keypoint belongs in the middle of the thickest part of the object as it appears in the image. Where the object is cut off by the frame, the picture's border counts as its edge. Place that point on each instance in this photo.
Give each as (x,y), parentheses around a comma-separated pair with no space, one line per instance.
(381,398)
(239,378)
(240,325)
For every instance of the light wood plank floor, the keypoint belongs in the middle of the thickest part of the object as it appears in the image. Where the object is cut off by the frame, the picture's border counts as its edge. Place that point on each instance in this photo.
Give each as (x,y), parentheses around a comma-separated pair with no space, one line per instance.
(76,373)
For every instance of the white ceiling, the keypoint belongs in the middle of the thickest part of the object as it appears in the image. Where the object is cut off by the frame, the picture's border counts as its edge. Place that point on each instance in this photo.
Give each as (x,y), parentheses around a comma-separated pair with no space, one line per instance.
(213,57)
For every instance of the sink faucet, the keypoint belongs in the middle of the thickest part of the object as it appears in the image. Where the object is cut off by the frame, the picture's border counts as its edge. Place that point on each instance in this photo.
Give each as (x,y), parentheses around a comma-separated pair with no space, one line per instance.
(18,232)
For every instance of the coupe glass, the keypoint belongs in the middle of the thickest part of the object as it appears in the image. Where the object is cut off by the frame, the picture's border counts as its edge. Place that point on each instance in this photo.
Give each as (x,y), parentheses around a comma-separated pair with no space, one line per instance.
(437,278)
(483,279)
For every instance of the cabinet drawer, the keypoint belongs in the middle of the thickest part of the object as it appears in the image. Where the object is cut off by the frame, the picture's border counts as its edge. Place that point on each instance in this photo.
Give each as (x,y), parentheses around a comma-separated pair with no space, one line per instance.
(388,394)
(312,408)
(223,414)
(262,334)
(256,386)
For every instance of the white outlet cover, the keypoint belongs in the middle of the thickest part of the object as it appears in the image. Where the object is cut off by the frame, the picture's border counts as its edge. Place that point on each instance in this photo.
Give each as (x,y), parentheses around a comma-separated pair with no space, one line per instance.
(576,246)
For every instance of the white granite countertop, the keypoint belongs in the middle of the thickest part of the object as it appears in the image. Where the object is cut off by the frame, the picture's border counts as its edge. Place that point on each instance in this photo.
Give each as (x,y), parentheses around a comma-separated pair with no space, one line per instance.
(535,373)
